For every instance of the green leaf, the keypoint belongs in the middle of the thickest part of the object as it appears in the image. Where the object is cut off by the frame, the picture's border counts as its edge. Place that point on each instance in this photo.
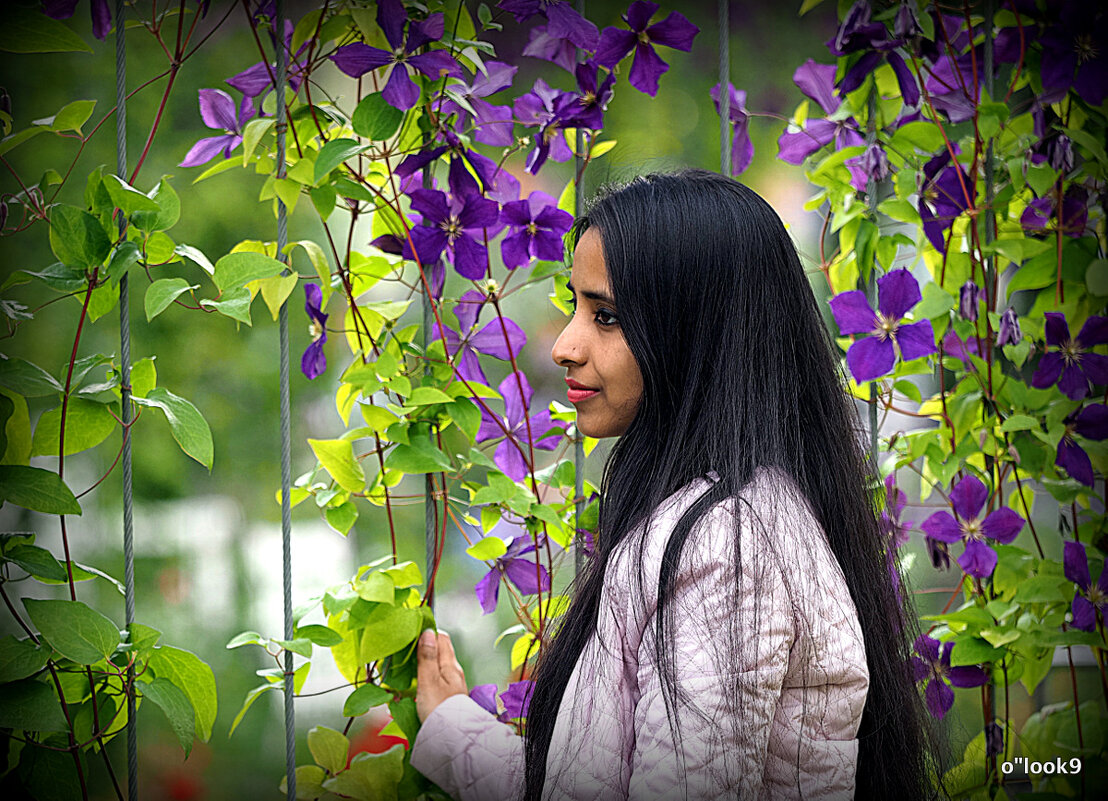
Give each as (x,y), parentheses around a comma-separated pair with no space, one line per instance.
(335,153)
(1019,422)
(27,379)
(28,30)
(364,699)
(425,396)
(370,777)
(252,134)
(418,457)
(329,748)
(73,115)
(166,211)
(168,697)
(276,290)
(246,638)
(233,303)
(188,426)
(195,255)
(163,292)
(375,119)
(342,518)
(297,646)
(320,635)
(251,697)
(971,651)
(124,257)
(404,575)
(36,561)
(337,458)
(75,630)
(194,677)
(377,587)
(126,197)
(144,377)
(20,658)
(37,489)
(1096,277)
(388,629)
(922,135)
(238,269)
(488,548)
(16,139)
(88,423)
(143,639)
(30,705)
(1041,589)
(77,238)
(309,782)
(936,302)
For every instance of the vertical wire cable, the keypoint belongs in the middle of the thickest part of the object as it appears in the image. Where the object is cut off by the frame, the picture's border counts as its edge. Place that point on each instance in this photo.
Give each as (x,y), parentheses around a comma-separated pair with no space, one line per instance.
(724,88)
(872,186)
(578,439)
(286,425)
(125,402)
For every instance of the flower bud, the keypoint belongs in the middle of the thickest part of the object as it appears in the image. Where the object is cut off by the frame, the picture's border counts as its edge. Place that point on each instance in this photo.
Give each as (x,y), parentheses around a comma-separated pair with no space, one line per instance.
(906,23)
(967,302)
(1010,333)
(875,162)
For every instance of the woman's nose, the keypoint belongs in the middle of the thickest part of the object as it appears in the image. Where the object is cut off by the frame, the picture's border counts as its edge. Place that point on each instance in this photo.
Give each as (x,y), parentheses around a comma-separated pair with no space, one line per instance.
(567,348)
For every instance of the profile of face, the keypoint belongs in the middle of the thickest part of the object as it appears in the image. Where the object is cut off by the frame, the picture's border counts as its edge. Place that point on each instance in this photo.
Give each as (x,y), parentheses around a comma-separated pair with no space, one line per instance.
(605,383)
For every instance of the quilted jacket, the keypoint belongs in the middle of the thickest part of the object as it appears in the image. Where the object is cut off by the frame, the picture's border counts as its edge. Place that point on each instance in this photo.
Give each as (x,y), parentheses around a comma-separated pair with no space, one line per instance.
(770,717)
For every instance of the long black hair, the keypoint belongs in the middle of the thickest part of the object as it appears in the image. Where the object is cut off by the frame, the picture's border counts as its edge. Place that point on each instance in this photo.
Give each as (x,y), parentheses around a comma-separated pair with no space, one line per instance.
(739,375)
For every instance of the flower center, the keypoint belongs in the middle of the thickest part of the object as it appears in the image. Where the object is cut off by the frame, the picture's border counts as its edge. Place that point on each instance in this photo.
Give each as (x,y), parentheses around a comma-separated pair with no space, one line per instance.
(1096,597)
(972,529)
(553,130)
(643,37)
(1085,49)
(532,228)
(588,98)
(886,327)
(453,227)
(1071,354)
(315,330)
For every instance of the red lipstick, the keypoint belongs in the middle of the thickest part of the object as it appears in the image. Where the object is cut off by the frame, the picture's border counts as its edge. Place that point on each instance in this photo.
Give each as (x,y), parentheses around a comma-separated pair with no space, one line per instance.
(579,392)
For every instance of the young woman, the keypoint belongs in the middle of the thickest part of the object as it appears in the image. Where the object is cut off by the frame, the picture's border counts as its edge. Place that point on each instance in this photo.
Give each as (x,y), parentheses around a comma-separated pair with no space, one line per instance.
(737,632)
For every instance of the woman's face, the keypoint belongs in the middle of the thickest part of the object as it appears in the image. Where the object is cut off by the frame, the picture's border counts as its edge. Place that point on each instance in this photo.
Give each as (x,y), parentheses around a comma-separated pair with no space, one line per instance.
(604,378)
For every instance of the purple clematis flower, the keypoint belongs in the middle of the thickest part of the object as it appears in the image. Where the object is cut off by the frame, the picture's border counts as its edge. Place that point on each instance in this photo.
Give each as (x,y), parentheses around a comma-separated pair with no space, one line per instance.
(258,79)
(968,297)
(217,109)
(933,666)
(742,149)
(492,124)
(563,22)
(528,577)
(1010,332)
(513,701)
(674,31)
(554,49)
(1075,55)
(1075,212)
(874,356)
(314,360)
(536,230)
(489,340)
(943,197)
(817,81)
(954,345)
(859,33)
(545,433)
(1089,598)
(453,223)
(543,107)
(968,499)
(1092,423)
(1070,365)
(587,108)
(400,92)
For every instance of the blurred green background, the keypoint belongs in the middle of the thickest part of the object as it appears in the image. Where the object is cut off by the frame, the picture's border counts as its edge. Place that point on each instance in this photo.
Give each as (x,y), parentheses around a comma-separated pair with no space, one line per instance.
(208,544)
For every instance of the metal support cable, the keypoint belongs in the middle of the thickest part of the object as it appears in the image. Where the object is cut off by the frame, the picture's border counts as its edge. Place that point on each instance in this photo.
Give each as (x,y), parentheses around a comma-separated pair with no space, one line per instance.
(125,401)
(286,425)
(578,439)
(724,88)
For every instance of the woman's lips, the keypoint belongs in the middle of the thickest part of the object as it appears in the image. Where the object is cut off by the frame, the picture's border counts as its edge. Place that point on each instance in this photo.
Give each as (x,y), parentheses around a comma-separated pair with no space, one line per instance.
(578,395)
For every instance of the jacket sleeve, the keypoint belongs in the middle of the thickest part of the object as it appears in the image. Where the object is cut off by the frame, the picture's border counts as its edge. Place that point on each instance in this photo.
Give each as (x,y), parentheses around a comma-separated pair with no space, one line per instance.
(469,753)
(732,631)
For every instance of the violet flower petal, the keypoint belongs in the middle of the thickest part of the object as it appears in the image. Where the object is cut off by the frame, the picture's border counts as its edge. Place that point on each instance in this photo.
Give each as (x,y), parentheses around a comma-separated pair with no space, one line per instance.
(967,676)
(1092,422)
(646,70)
(509,459)
(1084,614)
(968,497)
(852,312)
(488,590)
(1002,525)
(1075,461)
(817,81)
(485,696)
(978,559)
(870,358)
(1056,331)
(490,339)
(357,59)
(1073,383)
(206,149)
(1075,564)
(939,697)
(897,292)
(916,340)
(674,31)
(1046,374)
(942,526)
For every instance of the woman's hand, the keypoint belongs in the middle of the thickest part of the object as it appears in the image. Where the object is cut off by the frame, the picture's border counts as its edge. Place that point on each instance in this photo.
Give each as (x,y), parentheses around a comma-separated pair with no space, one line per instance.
(438,674)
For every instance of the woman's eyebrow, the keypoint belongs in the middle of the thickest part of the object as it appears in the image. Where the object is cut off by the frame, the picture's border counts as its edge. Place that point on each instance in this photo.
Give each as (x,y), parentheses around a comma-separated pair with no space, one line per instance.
(591,295)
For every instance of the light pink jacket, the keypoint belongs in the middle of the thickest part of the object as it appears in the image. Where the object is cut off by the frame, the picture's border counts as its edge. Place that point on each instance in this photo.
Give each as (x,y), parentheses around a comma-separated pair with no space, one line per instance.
(802,682)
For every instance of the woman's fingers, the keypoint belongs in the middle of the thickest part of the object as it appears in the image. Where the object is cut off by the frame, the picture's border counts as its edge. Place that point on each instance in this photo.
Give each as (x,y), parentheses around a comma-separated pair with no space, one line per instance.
(438,673)
(449,667)
(427,659)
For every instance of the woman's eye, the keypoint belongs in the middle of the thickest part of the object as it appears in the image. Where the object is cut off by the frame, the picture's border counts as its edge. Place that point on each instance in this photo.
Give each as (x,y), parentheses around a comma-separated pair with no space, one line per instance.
(606,318)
